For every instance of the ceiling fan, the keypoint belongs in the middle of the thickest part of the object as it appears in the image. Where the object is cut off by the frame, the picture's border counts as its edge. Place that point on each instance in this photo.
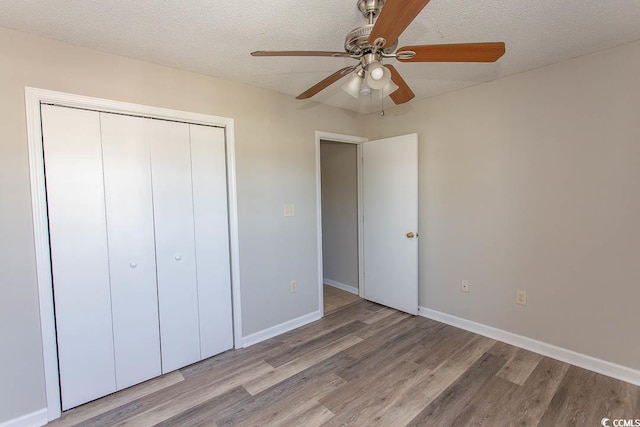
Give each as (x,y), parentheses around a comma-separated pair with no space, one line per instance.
(378,40)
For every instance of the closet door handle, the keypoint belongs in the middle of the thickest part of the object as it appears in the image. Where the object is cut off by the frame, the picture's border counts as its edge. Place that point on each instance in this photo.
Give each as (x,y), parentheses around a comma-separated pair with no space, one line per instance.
(178,257)
(133,264)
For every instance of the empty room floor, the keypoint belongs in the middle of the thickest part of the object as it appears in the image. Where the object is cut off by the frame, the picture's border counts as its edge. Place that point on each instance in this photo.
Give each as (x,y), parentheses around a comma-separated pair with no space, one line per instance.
(335,299)
(369,365)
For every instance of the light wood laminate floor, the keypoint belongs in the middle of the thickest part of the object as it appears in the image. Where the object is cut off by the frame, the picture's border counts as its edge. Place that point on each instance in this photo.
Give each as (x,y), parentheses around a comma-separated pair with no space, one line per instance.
(367,365)
(335,299)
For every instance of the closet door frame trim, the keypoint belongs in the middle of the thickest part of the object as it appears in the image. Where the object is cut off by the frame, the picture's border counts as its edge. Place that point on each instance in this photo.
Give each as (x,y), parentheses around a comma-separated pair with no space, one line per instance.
(33,99)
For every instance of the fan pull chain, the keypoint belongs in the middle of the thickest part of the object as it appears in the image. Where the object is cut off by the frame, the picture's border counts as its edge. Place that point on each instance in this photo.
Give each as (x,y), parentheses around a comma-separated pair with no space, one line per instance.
(382,103)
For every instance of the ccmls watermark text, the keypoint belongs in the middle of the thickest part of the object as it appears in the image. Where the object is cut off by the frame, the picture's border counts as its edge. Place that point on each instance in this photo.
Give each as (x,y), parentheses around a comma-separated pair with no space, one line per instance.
(606,422)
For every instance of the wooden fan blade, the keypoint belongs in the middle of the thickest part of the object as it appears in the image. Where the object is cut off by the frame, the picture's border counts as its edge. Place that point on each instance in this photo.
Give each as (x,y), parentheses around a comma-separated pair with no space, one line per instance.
(325,83)
(403,93)
(464,52)
(300,53)
(395,17)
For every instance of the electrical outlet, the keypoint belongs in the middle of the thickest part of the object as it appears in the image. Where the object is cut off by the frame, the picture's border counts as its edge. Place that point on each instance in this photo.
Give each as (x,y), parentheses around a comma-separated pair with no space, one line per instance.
(465,286)
(289,210)
(293,285)
(521,297)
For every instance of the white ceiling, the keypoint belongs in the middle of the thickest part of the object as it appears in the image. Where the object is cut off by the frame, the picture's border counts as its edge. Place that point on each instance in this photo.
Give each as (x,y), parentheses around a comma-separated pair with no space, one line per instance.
(215,37)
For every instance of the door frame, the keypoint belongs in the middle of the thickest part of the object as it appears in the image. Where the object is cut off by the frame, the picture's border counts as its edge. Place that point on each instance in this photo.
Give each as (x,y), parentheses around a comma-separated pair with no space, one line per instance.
(33,99)
(348,139)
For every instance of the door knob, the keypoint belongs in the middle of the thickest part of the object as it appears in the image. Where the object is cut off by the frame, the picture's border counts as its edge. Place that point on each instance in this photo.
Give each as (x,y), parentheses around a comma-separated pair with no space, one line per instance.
(133,265)
(178,257)
(411,235)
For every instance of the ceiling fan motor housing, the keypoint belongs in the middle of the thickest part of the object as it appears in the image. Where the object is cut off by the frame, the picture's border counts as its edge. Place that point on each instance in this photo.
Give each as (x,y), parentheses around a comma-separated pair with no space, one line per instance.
(357,41)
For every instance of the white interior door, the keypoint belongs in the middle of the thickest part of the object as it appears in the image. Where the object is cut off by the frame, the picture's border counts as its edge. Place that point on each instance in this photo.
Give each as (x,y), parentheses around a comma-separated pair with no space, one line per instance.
(390,221)
(79,254)
(209,175)
(175,244)
(132,256)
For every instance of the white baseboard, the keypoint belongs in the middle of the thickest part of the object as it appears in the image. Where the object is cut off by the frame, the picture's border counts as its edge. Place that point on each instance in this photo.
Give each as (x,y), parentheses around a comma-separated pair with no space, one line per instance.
(348,288)
(273,331)
(600,366)
(34,419)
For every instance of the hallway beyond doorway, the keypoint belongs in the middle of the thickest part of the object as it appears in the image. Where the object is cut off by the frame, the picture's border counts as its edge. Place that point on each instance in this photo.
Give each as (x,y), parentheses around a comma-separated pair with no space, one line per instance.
(335,299)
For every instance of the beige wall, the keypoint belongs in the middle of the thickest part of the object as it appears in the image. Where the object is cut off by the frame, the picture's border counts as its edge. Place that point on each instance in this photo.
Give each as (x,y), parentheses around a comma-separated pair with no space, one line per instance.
(275,147)
(338,163)
(533,182)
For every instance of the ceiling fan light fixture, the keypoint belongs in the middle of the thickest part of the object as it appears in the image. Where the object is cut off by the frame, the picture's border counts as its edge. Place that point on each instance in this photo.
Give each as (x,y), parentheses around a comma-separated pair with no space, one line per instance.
(389,88)
(354,84)
(379,76)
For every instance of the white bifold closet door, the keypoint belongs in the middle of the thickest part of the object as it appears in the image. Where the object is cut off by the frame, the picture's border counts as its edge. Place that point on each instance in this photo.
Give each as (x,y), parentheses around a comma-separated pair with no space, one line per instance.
(175,244)
(192,241)
(132,257)
(209,173)
(79,253)
(139,247)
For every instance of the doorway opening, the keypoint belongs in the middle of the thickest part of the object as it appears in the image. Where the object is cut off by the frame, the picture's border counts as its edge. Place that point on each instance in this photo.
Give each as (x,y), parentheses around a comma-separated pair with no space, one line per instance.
(387,244)
(339,210)
(339,183)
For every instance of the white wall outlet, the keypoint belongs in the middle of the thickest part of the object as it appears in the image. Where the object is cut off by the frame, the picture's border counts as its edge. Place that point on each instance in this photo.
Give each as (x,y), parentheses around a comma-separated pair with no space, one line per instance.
(521,297)
(465,286)
(293,285)
(289,210)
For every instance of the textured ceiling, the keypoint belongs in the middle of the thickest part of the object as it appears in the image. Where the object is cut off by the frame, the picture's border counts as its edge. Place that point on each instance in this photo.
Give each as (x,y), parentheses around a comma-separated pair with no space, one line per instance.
(215,37)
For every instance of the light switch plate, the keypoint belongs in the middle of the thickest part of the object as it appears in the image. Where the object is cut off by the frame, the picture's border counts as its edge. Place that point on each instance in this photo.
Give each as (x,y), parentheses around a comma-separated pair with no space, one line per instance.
(521,297)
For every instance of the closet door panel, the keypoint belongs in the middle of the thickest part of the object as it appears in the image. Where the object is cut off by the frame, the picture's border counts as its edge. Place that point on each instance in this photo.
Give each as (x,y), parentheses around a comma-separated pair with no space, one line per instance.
(175,245)
(212,239)
(79,254)
(127,177)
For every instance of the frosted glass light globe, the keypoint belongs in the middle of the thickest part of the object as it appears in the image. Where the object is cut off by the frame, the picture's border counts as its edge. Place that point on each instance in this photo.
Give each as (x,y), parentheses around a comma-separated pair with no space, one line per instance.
(378,76)
(377,73)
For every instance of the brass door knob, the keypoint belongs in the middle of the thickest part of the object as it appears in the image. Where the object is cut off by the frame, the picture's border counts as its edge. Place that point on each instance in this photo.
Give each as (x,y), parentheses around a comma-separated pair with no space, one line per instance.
(411,235)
